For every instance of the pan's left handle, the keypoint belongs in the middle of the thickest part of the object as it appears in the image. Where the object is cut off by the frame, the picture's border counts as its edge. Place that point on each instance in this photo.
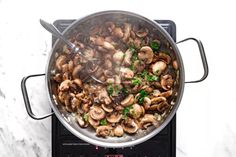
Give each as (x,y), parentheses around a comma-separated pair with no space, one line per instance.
(203,57)
(26,98)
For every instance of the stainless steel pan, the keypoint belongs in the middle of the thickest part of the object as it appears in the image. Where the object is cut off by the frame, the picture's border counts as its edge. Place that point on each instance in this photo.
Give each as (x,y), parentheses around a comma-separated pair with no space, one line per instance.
(68,119)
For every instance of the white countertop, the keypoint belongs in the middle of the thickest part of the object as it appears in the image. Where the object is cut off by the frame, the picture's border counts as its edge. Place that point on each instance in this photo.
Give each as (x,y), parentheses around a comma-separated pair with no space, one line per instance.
(205,119)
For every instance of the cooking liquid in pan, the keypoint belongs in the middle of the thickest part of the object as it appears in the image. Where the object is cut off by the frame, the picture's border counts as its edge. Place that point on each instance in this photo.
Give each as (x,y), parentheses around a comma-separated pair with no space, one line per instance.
(64,144)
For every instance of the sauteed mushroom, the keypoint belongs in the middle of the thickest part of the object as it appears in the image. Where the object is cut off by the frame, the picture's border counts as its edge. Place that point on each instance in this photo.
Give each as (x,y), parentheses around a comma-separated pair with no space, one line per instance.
(139,78)
(130,126)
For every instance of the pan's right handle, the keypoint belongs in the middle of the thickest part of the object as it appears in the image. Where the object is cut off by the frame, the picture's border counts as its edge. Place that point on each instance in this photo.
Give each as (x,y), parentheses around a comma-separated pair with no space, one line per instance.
(203,57)
(26,98)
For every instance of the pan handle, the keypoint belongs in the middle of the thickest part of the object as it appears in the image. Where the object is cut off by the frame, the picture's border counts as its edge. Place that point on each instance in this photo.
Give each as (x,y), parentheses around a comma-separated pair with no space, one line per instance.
(26,98)
(203,57)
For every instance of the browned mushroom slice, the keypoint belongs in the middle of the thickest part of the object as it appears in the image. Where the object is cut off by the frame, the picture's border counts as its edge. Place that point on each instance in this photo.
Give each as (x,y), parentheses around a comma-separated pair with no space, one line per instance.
(127,29)
(103,131)
(164,57)
(166,94)
(118,131)
(65,85)
(82,123)
(114,117)
(157,100)
(103,97)
(118,57)
(61,60)
(92,122)
(167,82)
(161,107)
(137,111)
(175,65)
(142,32)
(139,66)
(147,120)
(146,54)
(130,126)
(127,57)
(129,100)
(146,103)
(97,113)
(107,108)
(78,82)
(158,67)
(75,103)
(76,71)
(117,32)
(126,73)
(57,77)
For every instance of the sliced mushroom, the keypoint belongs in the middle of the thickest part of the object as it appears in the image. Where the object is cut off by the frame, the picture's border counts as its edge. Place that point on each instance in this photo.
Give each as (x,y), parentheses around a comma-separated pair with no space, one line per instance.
(97,113)
(142,32)
(92,122)
(78,82)
(107,108)
(156,93)
(103,97)
(127,29)
(65,85)
(158,67)
(99,41)
(147,120)
(146,54)
(117,32)
(157,100)
(161,107)
(82,123)
(147,102)
(130,126)
(114,117)
(167,82)
(127,57)
(129,100)
(70,66)
(175,65)
(126,73)
(119,108)
(61,60)
(164,57)
(139,66)
(64,68)
(118,57)
(118,131)
(103,131)
(75,103)
(57,77)
(76,71)
(166,94)
(137,111)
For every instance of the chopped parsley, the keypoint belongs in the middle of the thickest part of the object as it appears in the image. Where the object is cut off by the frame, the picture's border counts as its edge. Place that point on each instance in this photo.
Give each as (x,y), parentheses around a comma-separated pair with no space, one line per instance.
(155,45)
(103,122)
(143,94)
(134,51)
(110,89)
(152,78)
(85,117)
(124,90)
(126,111)
(149,77)
(136,81)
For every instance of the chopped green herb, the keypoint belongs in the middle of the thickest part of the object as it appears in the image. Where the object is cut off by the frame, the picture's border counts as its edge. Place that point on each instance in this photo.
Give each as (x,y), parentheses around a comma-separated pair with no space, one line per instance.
(152,78)
(127,110)
(103,122)
(144,74)
(166,52)
(143,94)
(156,71)
(136,81)
(110,89)
(149,77)
(85,117)
(117,89)
(124,90)
(155,45)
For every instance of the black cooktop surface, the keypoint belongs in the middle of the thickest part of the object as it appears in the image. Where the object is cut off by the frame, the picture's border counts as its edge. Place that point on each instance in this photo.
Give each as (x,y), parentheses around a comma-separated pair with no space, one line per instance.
(64,144)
